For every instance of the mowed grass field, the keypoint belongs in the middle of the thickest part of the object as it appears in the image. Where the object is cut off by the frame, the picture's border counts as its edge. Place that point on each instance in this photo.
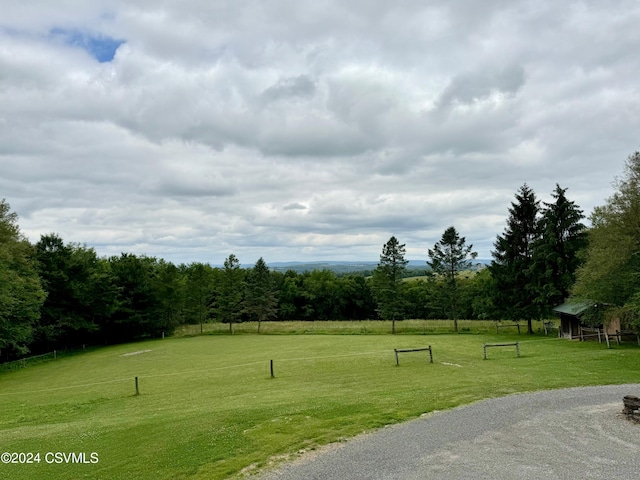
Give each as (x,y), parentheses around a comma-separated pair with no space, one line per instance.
(209,409)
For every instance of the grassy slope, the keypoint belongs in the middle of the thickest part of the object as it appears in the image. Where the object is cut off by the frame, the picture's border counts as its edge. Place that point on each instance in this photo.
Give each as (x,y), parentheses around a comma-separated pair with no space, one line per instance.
(208,407)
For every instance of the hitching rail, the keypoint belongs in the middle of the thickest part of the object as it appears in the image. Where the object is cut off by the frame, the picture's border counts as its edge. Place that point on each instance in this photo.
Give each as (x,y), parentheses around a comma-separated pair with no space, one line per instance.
(397,351)
(515,344)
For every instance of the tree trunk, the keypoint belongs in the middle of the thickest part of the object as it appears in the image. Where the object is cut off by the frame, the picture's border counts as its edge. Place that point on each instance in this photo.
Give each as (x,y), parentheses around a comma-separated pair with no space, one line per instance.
(529,328)
(393,325)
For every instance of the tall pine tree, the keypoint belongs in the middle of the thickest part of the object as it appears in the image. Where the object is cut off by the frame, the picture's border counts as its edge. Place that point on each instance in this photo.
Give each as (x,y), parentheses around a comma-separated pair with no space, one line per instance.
(229,295)
(511,268)
(387,281)
(260,300)
(556,255)
(449,257)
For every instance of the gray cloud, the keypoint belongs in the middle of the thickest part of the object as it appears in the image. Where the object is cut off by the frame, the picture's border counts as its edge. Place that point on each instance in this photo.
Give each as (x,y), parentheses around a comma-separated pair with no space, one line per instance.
(291,88)
(477,86)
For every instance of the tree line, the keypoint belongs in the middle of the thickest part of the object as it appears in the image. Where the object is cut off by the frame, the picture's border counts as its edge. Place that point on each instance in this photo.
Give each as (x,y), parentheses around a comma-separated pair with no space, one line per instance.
(59,295)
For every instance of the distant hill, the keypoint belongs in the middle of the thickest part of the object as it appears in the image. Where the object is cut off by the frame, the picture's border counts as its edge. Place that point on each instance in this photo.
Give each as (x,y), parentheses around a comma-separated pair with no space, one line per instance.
(337,267)
(346,266)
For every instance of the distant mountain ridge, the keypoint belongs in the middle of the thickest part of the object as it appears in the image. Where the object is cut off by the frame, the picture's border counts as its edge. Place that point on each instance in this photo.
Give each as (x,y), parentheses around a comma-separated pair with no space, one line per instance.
(347,266)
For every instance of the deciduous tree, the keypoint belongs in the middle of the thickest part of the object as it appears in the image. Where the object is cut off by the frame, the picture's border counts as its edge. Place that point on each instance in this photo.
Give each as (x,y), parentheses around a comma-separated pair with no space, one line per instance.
(611,272)
(21,294)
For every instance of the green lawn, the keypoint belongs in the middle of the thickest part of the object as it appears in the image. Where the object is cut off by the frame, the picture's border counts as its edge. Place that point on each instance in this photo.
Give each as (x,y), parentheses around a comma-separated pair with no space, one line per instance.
(209,409)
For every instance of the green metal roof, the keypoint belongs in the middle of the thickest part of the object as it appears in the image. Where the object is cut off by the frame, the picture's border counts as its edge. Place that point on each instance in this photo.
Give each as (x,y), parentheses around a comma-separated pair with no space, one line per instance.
(573,308)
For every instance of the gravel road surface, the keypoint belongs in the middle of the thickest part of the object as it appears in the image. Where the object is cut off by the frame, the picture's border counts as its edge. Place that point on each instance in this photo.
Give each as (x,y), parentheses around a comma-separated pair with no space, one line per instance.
(576,433)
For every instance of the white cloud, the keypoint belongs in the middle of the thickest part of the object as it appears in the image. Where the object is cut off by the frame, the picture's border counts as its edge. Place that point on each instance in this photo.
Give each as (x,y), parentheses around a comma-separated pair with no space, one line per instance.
(296,130)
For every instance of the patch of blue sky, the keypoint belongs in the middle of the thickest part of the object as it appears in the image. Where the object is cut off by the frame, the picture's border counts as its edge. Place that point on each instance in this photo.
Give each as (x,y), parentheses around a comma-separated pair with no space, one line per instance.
(100,47)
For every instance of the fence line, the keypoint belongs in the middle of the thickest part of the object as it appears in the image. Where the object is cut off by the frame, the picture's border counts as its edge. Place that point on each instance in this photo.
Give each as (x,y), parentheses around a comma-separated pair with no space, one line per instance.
(23,362)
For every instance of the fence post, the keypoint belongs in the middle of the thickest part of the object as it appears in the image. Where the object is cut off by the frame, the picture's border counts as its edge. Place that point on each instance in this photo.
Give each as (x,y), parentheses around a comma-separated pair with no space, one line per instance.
(137,390)
(430,354)
(271,366)
(396,352)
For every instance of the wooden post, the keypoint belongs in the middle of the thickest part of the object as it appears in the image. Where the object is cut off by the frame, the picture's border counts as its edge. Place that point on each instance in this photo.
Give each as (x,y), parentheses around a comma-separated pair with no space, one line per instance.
(430,354)
(496,328)
(271,366)
(518,328)
(517,348)
(606,336)
(484,348)
(599,338)
(137,389)
(396,351)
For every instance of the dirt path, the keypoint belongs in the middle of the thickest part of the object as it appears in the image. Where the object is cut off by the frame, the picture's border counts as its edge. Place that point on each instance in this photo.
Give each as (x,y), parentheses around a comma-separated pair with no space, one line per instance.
(574,433)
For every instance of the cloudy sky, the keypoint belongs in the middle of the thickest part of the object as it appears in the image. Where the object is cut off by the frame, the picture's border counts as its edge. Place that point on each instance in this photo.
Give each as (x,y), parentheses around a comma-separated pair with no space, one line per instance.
(293,130)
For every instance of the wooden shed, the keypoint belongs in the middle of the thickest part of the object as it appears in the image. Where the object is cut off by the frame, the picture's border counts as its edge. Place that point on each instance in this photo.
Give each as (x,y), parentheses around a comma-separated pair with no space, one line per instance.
(570,323)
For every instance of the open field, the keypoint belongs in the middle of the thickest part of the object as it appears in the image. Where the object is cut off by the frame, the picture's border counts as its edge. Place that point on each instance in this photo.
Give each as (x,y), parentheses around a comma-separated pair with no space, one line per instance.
(208,408)
(357,327)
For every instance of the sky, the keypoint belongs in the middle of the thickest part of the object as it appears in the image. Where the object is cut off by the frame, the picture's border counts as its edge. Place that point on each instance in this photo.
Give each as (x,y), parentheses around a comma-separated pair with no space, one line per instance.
(307,131)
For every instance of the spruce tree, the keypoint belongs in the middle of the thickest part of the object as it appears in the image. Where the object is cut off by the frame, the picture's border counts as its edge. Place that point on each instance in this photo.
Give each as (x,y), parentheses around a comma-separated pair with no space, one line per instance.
(387,281)
(229,295)
(511,268)
(556,255)
(260,302)
(449,257)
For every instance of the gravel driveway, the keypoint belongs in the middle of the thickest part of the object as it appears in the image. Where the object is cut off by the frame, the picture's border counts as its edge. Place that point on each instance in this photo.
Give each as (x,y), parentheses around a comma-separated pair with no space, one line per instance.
(576,433)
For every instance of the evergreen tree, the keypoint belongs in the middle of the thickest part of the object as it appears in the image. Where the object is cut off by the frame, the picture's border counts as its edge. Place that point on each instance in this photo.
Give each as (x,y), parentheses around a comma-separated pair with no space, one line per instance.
(261,298)
(387,281)
(199,289)
(229,292)
(511,268)
(556,254)
(449,257)
(169,286)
